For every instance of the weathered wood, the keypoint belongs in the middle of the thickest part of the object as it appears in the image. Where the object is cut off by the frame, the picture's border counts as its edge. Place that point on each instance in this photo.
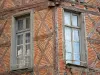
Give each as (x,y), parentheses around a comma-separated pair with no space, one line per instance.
(41,37)
(56,72)
(80,10)
(78,67)
(93,41)
(98,29)
(38,6)
(82,3)
(45,4)
(17,72)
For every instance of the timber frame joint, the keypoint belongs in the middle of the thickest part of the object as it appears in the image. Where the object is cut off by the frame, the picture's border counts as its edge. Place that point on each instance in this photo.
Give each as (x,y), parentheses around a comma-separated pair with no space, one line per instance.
(53,3)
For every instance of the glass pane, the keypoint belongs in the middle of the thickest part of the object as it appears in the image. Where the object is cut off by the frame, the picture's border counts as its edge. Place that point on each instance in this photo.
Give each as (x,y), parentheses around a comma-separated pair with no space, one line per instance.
(27,61)
(68,46)
(67,19)
(75,35)
(19,39)
(75,20)
(19,50)
(77,59)
(21,63)
(76,47)
(68,56)
(28,49)
(27,23)
(20,25)
(27,37)
(67,33)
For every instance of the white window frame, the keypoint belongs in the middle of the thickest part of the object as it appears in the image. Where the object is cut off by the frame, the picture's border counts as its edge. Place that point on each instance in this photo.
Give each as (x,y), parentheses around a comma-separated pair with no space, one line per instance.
(83,42)
(77,0)
(13,59)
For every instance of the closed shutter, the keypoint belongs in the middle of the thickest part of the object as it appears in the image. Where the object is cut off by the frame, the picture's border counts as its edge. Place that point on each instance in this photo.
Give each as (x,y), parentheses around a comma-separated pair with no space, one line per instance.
(83,42)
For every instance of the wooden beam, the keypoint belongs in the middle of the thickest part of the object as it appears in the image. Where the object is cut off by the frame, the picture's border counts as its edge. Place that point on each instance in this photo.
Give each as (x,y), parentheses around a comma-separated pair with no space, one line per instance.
(37,6)
(93,41)
(19,71)
(78,67)
(43,5)
(80,10)
(82,3)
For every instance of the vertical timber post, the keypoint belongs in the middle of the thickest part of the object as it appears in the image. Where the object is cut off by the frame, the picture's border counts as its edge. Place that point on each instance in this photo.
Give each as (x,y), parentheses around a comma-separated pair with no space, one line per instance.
(56,70)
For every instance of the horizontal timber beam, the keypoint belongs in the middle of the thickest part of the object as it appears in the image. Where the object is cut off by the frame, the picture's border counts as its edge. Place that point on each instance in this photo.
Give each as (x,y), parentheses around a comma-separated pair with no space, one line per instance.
(37,6)
(82,3)
(78,67)
(93,41)
(19,71)
(80,10)
(45,4)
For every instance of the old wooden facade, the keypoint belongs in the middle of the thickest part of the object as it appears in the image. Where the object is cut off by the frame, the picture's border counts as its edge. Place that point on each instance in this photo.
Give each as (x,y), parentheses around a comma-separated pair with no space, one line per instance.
(47,54)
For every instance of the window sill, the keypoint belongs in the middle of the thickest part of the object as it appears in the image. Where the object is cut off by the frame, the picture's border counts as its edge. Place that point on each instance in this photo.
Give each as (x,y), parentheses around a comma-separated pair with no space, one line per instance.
(17,71)
(69,65)
(24,70)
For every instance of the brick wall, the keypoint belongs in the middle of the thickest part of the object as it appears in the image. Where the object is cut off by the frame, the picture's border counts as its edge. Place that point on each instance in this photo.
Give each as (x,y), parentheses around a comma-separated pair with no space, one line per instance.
(44,35)
(91,53)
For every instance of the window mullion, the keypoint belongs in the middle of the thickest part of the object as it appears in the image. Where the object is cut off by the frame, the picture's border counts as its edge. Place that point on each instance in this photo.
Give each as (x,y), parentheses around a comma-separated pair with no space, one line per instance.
(24,46)
(72,44)
(24,39)
(71,36)
(80,47)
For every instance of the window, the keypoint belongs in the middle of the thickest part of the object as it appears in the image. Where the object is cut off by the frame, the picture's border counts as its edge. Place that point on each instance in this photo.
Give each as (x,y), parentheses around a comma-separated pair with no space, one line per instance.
(73,39)
(21,53)
(23,41)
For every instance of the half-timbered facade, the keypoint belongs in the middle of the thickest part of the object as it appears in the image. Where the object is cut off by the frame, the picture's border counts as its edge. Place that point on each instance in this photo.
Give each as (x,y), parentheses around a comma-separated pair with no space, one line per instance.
(49,37)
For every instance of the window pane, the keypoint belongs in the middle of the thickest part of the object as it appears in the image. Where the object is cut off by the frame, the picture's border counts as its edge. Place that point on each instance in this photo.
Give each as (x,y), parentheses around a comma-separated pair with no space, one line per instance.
(68,46)
(27,58)
(77,62)
(27,61)
(27,23)
(28,49)
(20,25)
(76,47)
(19,50)
(67,19)
(19,39)
(27,37)
(21,62)
(75,35)
(67,33)
(68,56)
(77,59)
(75,20)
